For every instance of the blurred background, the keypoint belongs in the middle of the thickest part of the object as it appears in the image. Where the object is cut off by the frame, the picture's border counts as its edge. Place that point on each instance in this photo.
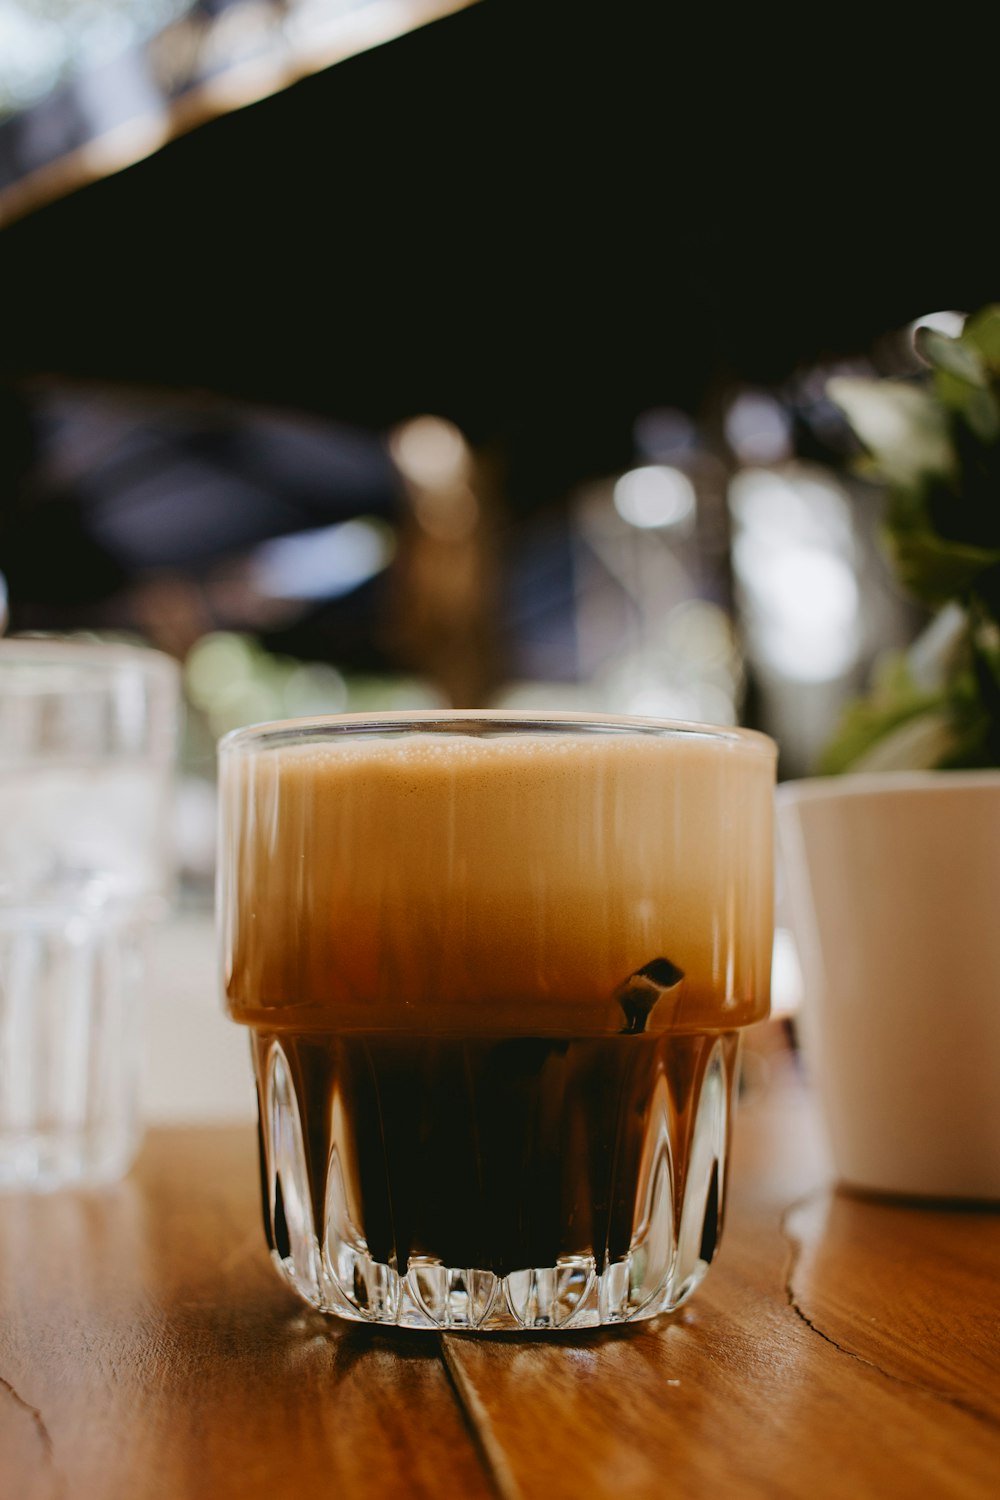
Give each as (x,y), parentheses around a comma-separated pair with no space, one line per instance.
(400,353)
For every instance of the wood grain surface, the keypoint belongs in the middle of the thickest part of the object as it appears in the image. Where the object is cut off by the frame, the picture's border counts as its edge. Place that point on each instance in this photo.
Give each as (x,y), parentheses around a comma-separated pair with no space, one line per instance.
(147,1349)
(839,1347)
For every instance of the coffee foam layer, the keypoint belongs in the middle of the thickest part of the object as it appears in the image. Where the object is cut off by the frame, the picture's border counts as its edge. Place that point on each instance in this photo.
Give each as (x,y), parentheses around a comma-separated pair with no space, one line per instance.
(496,881)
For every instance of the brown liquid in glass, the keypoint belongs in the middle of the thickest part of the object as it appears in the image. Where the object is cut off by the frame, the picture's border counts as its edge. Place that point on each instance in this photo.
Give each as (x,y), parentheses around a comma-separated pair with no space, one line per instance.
(500,1153)
(440,938)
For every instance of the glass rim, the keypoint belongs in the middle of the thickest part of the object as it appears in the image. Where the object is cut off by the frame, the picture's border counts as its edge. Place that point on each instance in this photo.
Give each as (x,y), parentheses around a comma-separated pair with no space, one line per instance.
(66,652)
(273,734)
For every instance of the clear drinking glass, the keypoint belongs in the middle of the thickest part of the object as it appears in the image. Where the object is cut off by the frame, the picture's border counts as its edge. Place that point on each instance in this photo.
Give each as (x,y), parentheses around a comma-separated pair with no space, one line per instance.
(87,737)
(495,969)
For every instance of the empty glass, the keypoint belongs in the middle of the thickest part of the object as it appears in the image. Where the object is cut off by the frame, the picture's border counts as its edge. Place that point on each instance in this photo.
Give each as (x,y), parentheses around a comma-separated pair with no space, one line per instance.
(87,742)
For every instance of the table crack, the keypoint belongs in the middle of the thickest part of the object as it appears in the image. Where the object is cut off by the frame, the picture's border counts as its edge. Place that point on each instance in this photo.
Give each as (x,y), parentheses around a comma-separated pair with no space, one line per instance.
(38,1421)
(491,1456)
(932,1392)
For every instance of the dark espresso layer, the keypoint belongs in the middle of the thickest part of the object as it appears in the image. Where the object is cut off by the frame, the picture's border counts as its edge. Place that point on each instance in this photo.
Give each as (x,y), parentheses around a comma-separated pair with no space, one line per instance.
(499,1153)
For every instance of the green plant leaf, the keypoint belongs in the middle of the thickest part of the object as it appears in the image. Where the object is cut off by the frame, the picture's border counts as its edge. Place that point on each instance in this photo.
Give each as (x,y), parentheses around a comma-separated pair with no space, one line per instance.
(895,700)
(933,569)
(904,427)
(937,654)
(975,403)
(981,411)
(958,358)
(921,743)
(936,447)
(982,334)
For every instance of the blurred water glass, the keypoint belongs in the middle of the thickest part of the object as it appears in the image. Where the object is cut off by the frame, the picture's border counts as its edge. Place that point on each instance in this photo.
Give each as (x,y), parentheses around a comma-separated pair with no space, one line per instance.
(87,746)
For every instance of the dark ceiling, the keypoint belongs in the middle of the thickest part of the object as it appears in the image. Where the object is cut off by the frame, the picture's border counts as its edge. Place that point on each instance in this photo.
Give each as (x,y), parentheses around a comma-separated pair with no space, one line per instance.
(533,220)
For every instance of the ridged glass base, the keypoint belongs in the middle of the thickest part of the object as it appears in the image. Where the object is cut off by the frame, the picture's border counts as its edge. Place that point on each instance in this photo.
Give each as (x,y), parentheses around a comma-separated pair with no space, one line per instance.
(654,1182)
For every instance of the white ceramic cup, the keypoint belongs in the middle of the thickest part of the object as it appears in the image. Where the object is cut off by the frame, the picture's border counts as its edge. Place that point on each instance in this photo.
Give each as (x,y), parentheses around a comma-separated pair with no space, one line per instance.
(892,891)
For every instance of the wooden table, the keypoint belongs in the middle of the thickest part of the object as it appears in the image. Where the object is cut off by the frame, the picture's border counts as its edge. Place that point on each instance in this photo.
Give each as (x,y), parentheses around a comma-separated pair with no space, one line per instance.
(840,1347)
